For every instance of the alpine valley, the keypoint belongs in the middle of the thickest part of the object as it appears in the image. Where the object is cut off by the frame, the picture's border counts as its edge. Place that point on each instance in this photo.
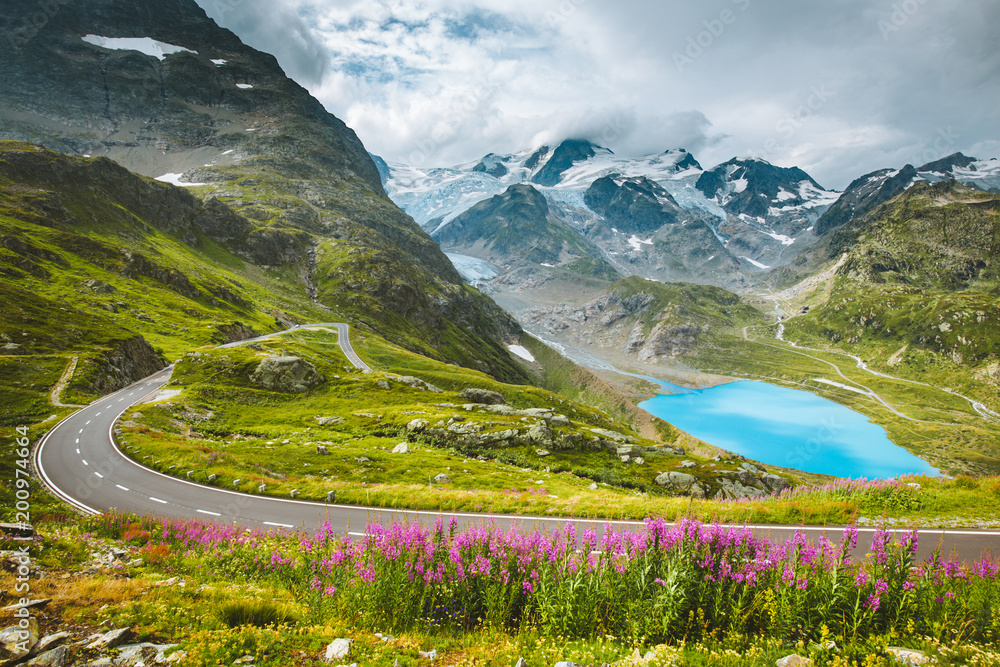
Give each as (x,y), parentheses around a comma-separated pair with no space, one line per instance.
(230,336)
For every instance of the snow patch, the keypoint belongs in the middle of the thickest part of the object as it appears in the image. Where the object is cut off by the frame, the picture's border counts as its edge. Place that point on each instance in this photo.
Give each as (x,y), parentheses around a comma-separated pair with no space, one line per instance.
(218,62)
(145,45)
(521,352)
(756,263)
(784,195)
(175,179)
(781,238)
(244,86)
(740,185)
(637,243)
(551,266)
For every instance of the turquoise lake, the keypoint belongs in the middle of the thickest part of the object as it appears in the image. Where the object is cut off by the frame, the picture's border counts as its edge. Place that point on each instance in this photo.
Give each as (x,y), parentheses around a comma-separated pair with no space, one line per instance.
(788,428)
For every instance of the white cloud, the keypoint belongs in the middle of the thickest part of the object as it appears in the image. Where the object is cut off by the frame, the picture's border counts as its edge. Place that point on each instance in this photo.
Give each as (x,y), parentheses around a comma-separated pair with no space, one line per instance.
(825,86)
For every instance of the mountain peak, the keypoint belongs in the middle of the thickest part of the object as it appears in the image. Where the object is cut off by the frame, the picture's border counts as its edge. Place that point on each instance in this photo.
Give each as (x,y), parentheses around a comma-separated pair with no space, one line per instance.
(568,153)
(947,164)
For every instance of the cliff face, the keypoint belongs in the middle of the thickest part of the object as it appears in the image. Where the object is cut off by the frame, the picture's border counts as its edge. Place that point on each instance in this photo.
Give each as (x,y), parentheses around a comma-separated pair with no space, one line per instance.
(120,365)
(281,181)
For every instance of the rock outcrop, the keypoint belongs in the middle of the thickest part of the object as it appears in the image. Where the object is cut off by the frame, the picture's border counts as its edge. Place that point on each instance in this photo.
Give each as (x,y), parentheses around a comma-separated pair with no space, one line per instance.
(122,364)
(292,375)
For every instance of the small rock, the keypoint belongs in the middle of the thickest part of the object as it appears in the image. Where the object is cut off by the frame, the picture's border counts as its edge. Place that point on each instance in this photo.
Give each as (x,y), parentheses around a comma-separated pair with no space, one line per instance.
(294,493)
(111,639)
(520,663)
(135,655)
(329,421)
(442,478)
(430,655)
(172,581)
(57,657)
(559,420)
(686,464)
(363,459)
(322,450)
(51,641)
(542,452)
(908,657)
(638,460)
(417,425)
(482,396)
(382,384)
(29,604)
(626,458)
(401,448)
(793,660)
(417,383)
(749,467)
(176,656)
(562,663)
(593,486)
(338,649)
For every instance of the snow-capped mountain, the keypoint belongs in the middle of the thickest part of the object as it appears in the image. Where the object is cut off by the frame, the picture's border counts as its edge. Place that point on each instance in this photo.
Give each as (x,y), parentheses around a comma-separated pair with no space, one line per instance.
(864,194)
(976,173)
(878,187)
(741,217)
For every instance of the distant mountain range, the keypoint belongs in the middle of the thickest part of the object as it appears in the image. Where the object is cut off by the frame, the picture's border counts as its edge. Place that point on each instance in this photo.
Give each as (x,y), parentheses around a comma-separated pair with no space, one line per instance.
(662,216)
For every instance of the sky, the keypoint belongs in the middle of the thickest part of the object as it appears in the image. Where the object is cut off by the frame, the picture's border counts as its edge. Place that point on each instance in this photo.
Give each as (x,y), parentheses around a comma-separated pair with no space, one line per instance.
(839,88)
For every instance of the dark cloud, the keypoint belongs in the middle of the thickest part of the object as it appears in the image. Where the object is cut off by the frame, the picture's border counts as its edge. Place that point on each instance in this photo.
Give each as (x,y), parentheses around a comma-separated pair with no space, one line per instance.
(278,29)
(837,88)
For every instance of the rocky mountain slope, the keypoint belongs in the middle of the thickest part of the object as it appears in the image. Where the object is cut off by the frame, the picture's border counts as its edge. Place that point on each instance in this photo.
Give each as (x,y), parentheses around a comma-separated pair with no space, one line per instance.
(162,90)
(920,274)
(516,229)
(646,321)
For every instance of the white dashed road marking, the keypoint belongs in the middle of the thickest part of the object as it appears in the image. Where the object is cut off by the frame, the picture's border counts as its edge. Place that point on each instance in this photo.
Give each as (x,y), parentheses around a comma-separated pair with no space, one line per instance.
(209,513)
(279,525)
(158,500)
(121,487)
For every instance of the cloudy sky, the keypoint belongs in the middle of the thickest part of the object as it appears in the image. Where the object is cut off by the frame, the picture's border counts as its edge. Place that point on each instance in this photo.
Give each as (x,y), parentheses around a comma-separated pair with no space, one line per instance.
(838,88)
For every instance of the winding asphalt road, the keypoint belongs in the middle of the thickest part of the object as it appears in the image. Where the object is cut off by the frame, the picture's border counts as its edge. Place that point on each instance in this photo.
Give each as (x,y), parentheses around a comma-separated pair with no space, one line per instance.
(80,462)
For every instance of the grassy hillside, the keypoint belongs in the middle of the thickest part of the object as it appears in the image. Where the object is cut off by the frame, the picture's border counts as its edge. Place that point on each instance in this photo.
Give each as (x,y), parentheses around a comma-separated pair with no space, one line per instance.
(916,298)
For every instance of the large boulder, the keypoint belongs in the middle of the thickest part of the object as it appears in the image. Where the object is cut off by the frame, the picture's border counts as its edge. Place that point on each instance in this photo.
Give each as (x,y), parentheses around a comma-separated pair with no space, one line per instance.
(482,396)
(681,482)
(292,375)
(774,483)
(539,434)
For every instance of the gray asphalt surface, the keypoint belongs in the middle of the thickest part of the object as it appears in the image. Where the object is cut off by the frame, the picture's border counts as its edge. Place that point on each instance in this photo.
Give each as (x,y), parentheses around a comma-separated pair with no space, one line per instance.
(81,463)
